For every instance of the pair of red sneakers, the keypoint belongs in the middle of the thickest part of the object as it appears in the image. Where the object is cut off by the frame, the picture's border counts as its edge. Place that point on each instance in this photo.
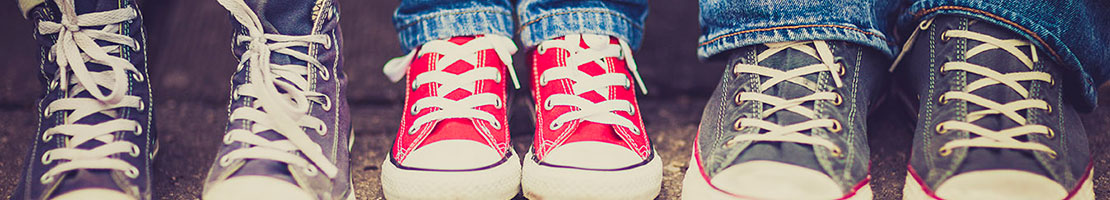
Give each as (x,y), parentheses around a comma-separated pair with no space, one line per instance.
(454,142)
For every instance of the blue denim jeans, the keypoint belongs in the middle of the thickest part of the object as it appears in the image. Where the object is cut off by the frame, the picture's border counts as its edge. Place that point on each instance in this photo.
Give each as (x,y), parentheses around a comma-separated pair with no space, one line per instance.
(420,21)
(1074,32)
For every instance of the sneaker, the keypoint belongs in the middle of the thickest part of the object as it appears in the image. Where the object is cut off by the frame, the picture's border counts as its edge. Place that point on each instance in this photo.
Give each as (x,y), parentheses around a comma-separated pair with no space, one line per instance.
(992,123)
(590,141)
(91,144)
(788,121)
(453,141)
(289,130)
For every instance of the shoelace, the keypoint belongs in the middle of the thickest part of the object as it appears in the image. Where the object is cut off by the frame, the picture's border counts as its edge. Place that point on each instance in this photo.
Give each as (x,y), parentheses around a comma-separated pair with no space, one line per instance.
(74,47)
(444,108)
(792,132)
(987,137)
(601,112)
(284,113)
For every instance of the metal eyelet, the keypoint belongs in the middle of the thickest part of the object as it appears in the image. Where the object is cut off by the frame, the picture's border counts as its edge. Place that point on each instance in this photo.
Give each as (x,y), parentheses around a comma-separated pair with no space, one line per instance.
(942,99)
(311,171)
(945,152)
(940,129)
(736,99)
(555,126)
(944,36)
(547,105)
(413,110)
(44,179)
(1051,134)
(1048,108)
(839,100)
(1052,155)
(413,129)
(142,106)
(836,152)
(736,125)
(132,172)
(498,104)
(836,127)
(134,151)
(496,125)
(227,139)
(225,161)
(46,158)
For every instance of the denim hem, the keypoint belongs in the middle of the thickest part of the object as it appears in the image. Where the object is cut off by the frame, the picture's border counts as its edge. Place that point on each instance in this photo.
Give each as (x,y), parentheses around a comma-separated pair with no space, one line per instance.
(453,23)
(1026,27)
(589,21)
(710,46)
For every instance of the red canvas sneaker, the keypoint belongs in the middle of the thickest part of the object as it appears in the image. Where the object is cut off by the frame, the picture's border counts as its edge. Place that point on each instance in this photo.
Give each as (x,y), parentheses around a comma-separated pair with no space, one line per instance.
(590,141)
(453,142)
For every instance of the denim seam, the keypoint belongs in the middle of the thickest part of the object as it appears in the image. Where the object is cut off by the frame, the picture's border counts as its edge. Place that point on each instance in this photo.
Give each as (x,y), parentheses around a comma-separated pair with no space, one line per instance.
(788,27)
(922,13)
(604,17)
(630,21)
(407,25)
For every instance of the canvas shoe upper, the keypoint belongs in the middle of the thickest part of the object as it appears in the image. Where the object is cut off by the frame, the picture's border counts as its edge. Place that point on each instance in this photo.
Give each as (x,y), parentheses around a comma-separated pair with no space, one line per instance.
(590,140)
(453,140)
(96,137)
(289,130)
(787,121)
(992,120)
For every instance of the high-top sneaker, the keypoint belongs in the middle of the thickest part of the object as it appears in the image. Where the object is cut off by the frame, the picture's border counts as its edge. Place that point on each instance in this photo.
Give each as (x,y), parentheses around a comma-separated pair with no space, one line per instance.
(788,122)
(453,142)
(590,142)
(992,123)
(289,133)
(96,137)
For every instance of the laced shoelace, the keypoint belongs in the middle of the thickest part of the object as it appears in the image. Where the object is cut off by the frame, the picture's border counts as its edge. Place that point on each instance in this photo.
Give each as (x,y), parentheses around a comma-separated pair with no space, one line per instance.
(603,112)
(282,98)
(73,48)
(445,82)
(791,133)
(990,138)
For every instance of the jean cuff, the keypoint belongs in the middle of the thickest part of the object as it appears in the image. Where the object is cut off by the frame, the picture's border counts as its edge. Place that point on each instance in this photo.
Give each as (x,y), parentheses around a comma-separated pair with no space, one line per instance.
(713,44)
(1076,78)
(453,23)
(580,21)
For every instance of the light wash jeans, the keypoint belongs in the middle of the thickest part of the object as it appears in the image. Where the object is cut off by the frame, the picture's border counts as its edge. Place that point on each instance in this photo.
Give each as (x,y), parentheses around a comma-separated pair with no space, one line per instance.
(420,21)
(1074,32)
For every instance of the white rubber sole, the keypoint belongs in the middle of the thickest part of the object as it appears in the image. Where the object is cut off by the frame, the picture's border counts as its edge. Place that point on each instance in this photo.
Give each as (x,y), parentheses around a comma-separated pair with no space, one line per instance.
(547,182)
(695,187)
(498,182)
(913,190)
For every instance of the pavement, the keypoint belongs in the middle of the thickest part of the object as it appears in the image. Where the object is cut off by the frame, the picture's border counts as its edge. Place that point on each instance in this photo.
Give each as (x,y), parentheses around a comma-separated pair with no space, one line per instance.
(191,63)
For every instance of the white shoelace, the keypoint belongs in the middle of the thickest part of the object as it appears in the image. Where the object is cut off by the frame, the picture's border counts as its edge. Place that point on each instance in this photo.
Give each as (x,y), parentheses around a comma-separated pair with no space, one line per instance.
(445,82)
(601,112)
(74,47)
(284,113)
(991,138)
(791,133)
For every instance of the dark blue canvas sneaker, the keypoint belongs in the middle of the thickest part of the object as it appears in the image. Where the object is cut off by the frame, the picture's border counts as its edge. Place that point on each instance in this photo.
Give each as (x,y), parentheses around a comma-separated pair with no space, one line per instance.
(787,121)
(96,136)
(992,121)
(289,131)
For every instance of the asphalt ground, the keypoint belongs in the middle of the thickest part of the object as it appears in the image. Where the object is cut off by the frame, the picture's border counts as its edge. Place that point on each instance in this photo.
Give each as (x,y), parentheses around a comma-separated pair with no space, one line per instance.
(191,63)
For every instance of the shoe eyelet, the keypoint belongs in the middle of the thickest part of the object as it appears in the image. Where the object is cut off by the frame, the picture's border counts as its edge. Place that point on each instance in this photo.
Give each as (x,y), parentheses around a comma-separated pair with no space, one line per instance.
(142,106)
(736,125)
(1048,108)
(555,126)
(138,130)
(942,99)
(1051,155)
(412,130)
(225,161)
(736,99)
(132,172)
(839,100)
(44,179)
(1051,134)
(46,137)
(134,151)
(547,105)
(945,152)
(46,158)
(413,110)
(836,127)
(311,171)
(498,104)
(836,152)
(944,36)
(227,139)
(496,125)
(940,130)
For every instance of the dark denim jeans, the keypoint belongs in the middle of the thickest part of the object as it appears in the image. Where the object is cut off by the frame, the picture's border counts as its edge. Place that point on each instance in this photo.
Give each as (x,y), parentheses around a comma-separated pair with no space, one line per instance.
(1074,32)
(420,21)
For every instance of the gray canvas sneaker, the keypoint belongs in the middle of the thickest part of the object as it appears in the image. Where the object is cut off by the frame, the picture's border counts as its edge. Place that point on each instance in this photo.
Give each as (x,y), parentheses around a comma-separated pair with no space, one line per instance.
(992,121)
(289,131)
(787,121)
(96,137)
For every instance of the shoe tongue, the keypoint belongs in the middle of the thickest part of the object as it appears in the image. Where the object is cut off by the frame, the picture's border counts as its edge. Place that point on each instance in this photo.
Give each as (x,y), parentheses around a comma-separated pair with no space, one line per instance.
(286,17)
(86,179)
(1003,62)
(786,152)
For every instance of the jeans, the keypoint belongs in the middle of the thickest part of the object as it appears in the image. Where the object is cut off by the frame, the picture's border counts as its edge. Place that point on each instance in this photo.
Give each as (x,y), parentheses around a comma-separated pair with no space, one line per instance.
(1074,32)
(420,21)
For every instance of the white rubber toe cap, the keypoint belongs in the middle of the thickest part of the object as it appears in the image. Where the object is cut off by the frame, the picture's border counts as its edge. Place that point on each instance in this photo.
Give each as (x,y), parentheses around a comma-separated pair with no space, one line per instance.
(256,187)
(1000,184)
(93,194)
(453,155)
(593,155)
(775,180)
